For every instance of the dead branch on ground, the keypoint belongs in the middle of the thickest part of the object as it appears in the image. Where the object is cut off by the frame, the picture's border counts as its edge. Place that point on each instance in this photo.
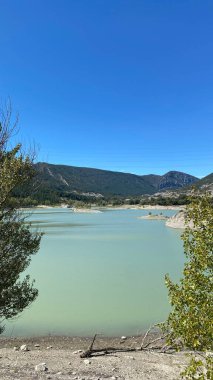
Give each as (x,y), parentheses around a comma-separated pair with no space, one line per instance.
(145,346)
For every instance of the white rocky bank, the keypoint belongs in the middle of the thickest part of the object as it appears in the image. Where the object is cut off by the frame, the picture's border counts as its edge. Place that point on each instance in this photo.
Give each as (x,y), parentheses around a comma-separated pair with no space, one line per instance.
(177,220)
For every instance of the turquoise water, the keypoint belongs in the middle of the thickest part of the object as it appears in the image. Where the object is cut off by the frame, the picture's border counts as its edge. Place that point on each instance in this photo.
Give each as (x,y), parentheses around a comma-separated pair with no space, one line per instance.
(100,273)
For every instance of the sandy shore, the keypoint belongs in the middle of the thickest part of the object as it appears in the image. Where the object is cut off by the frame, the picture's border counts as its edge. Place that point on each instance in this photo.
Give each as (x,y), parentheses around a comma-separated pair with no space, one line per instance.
(145,207)
(159,207)
(153,217)
(86,210)
(60,357)
(122,207)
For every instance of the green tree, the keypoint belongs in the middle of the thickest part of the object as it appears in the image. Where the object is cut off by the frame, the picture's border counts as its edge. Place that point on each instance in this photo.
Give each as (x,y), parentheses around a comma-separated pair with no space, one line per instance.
(190,323)
(17,241)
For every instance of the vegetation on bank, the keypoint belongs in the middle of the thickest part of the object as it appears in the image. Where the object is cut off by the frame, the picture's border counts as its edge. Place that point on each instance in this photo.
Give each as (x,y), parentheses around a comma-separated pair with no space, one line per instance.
(81,201)
(190,322)
(17,241)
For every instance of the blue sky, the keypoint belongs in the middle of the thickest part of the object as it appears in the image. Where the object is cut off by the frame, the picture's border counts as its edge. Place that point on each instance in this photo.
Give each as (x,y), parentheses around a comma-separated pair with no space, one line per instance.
(119,85)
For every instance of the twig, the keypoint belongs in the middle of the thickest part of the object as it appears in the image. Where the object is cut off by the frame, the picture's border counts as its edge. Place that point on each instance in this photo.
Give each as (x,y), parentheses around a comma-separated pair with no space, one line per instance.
(88,352)
(144,347)
(154,340)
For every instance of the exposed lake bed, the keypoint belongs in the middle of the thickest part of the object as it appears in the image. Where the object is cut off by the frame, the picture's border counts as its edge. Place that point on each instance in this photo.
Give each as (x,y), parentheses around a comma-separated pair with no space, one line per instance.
(61,356)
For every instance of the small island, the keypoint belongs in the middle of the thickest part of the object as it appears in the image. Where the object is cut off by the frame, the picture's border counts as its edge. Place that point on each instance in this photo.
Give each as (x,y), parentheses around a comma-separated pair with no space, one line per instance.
(151,216)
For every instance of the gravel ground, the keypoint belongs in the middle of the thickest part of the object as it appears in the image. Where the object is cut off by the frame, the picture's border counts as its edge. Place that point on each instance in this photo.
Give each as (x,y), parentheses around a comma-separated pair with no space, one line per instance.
(61,361)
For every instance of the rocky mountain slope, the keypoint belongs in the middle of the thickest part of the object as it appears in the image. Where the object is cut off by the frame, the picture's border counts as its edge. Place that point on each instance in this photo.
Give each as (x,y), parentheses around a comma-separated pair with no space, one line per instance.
(69,178)
(66,179)
(170,180)
(206,183)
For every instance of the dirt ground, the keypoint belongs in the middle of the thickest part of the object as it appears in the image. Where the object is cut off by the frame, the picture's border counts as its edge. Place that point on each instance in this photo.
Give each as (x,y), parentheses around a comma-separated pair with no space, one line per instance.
(63,362)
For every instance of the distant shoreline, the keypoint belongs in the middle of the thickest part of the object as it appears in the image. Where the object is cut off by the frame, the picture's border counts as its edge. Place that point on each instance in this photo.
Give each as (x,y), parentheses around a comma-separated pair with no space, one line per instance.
(145,207)
(177,221)
(123,207)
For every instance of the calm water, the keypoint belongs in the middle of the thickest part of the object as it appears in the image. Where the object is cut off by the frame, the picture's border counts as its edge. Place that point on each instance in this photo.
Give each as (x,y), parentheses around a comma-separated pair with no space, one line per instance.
(100,273)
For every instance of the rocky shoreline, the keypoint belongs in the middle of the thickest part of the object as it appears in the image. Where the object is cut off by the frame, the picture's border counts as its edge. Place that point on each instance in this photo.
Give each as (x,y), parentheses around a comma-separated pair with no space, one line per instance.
(153,217)
(58,358)
(122,207)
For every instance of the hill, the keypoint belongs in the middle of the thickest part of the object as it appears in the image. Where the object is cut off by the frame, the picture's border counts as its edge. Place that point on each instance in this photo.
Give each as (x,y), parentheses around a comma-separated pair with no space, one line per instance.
(170,180)
(65,179)
(206,183)
(70,178)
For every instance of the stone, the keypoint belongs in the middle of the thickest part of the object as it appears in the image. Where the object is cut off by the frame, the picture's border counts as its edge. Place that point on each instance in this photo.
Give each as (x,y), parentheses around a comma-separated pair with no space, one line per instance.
(130,357)
(87,361)
(41,367)
(36,345)
(77,352)
(24,348)
(123,337)
(15,348)
(49,347)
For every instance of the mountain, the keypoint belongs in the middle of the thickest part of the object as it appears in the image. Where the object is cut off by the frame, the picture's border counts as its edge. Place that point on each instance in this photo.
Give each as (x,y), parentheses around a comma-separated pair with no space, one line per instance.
(170,180)
(70,178)
(206,183)
(152,179)
(67,179)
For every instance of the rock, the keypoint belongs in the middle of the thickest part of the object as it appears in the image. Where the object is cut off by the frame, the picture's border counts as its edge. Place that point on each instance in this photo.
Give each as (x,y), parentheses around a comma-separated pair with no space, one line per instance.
(49,347)
(87,361)
(77,352)
(41,367)
(15,348)
(178,221)
(123,337)
(59,373)
(36,345)
(24,348)
(74,373)
(130,357)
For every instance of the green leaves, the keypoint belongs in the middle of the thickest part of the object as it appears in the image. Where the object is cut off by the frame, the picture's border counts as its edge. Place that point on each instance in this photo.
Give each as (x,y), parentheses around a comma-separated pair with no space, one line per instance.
(17,241)
(190,322)
(199,369)
(192,299)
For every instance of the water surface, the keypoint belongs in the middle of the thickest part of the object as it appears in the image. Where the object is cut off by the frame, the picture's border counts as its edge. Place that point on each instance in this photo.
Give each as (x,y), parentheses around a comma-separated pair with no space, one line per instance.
(100,273)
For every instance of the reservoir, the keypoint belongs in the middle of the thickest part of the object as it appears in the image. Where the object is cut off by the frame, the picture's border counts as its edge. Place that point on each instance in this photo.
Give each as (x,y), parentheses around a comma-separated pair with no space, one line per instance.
(99,273)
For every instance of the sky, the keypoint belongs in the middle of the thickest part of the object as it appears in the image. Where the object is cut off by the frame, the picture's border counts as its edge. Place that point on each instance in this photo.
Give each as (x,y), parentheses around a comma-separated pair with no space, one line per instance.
(123,85)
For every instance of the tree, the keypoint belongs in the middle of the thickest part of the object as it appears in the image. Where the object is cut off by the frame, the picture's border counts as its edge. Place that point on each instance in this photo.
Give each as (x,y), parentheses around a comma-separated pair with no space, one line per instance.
(17,241)
(190,321)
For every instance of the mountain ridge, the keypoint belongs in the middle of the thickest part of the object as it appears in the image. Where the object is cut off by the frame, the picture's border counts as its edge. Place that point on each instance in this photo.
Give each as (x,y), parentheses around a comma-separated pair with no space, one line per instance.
(66,178)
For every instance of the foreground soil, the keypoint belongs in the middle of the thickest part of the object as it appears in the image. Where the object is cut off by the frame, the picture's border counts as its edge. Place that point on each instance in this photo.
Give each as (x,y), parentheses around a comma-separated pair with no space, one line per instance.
(63,362)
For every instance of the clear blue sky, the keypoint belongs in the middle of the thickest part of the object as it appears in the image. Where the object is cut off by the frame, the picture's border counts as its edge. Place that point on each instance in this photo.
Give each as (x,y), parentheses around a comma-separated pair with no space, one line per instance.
(123,85)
